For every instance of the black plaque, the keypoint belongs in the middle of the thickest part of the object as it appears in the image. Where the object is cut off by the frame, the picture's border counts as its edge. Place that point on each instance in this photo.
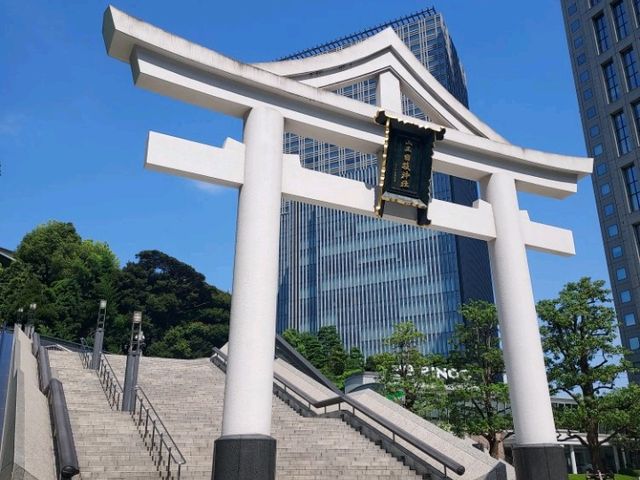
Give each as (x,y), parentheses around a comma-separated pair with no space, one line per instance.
(406,164)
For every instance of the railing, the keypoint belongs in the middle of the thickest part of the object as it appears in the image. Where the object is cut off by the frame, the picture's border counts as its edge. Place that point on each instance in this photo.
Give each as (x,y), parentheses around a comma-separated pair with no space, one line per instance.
(65,449)
(85,353)
(156,436)
(47,341)
(164,452)
(350,406)
(109,381)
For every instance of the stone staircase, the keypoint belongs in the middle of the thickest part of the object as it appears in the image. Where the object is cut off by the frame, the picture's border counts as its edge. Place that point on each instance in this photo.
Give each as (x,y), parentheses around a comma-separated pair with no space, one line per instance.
(107,441)
(188,396)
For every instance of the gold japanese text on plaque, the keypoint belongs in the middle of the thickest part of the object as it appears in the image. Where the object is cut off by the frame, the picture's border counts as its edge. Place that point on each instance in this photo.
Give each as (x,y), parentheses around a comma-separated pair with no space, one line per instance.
(406,164)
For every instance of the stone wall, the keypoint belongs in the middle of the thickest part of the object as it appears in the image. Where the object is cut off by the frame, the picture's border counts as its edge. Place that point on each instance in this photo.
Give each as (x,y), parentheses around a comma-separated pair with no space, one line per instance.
(27,450)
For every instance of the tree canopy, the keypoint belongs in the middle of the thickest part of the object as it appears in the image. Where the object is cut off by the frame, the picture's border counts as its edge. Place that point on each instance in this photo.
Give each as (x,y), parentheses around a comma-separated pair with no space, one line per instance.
(583,361)
(479,397)
(325,351)
(170,294)
(63,274)
(66,276)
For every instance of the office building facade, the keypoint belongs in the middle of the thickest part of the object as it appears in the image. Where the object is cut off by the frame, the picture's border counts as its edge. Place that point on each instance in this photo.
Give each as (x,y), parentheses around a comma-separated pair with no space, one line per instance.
(365,275)
(604,44)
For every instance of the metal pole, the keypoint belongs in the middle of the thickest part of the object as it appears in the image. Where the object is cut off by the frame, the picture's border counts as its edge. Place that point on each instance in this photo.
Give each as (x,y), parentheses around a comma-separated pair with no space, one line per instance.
(20,317)
(133,358)
(99,336)
(30,328)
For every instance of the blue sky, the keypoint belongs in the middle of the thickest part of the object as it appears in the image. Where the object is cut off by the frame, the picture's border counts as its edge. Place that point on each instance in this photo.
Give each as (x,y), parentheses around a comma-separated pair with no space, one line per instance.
(73,126)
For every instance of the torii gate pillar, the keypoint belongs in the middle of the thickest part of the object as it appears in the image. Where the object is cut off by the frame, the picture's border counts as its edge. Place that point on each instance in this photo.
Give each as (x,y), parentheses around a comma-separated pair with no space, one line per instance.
(537,454)
(246,450)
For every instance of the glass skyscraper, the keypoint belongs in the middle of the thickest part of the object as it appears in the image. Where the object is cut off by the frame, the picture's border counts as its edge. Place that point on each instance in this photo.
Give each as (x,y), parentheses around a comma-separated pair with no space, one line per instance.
(604,44)
(364,275)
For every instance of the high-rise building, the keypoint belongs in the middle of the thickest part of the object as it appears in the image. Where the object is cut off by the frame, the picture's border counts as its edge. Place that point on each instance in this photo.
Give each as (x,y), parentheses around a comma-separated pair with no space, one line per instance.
(604,43)
(365,275)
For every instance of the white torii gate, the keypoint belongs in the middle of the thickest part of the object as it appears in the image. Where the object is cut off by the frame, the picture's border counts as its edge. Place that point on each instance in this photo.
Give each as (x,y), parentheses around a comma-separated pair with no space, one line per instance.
(295,96)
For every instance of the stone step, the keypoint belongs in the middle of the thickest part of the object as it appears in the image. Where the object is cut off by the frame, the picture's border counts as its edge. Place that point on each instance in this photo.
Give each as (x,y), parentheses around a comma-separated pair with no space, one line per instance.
(188,396)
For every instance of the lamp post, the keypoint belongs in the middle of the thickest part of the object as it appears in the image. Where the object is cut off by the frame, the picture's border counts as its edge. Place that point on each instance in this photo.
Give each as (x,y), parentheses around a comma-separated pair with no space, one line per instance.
(31,319)
(99,336)
(136,342)
(20,317)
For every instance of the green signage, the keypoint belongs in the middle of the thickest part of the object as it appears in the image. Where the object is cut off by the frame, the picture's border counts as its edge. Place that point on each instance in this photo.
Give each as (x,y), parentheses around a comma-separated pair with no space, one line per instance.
(405,167)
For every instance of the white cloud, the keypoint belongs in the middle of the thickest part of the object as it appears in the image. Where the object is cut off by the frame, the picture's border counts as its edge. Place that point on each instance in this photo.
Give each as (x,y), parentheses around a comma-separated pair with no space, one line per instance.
(208,187)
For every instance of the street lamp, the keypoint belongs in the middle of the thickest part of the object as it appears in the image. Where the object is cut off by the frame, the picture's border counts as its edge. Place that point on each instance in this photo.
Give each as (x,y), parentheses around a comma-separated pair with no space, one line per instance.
(99,336)
(31,320)
(136,341)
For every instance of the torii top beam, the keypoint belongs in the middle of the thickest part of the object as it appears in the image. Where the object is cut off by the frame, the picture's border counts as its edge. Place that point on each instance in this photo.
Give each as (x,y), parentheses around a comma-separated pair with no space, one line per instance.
(173,66)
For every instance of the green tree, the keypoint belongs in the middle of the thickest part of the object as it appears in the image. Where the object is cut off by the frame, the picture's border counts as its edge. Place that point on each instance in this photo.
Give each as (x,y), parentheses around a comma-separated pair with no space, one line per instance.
(308,345)
(355,361)
(578,330)
(325,352)
(191,340)
(478,398)
(403,371)
(170,294)
(329,340)
(626,403)
(63,274)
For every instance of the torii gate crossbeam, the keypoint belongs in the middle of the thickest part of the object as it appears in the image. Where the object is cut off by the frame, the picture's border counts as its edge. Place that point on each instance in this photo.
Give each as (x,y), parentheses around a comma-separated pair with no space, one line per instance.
(271,104)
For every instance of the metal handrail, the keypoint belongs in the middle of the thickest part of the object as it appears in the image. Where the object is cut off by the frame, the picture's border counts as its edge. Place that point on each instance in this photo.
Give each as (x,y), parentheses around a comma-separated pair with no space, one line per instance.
(109,381)
(339,399)
(84,353)
(174,452)
(160,438)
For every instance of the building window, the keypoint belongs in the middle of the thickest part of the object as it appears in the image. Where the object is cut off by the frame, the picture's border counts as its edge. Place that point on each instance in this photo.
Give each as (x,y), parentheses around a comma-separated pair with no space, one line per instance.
(630,319)
(605,189)
(625,296)
(630,69)
(619,19)
(630,174)
(597,150)
(613,230)
(601,169)
(608,209)
(587,94)
(635,107)
(611,81)
(621,273)
(634,343)
(593,3)
(581,58)
(571,9)
(616,252)
(636,9)
(602,33)
(575,25)
(591,112)
(584,76)
(594,131)
(621,131)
